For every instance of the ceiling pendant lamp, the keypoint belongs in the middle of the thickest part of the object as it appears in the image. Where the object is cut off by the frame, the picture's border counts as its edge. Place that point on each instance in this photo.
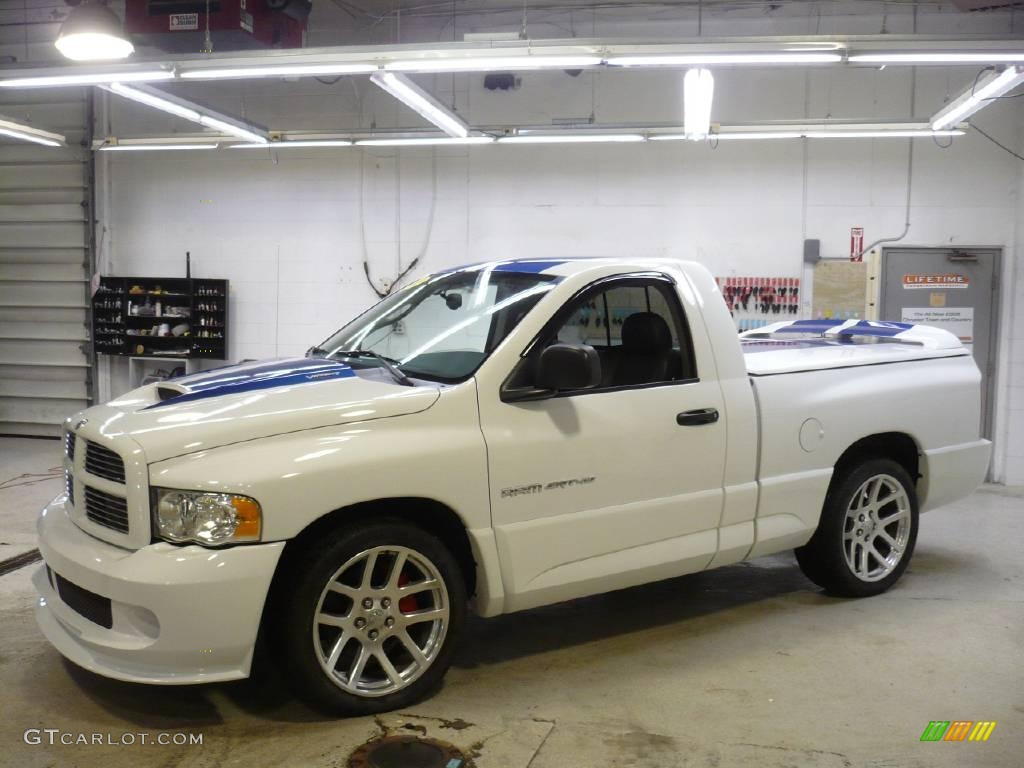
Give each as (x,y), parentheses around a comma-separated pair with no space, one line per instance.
(93,32)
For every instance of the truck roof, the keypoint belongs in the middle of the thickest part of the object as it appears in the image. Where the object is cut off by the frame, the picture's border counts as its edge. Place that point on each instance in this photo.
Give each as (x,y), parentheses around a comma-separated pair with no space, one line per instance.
(564,266)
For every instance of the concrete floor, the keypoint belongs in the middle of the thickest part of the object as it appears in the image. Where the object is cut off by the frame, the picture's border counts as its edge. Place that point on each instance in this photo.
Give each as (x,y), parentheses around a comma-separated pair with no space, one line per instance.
(748,665)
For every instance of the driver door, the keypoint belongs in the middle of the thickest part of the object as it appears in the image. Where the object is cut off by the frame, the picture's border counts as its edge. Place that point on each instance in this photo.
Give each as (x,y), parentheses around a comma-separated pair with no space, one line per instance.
(613,486)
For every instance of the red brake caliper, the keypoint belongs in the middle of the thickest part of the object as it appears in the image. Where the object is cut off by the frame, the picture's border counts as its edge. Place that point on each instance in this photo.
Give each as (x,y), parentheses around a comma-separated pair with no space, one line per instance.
(406,604)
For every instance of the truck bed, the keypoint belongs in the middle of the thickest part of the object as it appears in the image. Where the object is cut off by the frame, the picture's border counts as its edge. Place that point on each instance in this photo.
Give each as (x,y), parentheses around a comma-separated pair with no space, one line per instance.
(815,345)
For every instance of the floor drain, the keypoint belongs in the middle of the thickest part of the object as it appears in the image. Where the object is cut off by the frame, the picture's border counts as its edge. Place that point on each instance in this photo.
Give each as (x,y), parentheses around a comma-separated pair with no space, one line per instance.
(407,752)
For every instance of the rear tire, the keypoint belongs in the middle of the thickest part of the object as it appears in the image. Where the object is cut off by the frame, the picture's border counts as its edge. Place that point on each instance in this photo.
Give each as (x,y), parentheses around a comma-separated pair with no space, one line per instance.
(867,532)
(369,618)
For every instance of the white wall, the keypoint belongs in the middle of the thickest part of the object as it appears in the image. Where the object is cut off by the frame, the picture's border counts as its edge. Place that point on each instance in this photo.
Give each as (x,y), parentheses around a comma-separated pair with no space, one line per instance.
(290,229)
(1013,420)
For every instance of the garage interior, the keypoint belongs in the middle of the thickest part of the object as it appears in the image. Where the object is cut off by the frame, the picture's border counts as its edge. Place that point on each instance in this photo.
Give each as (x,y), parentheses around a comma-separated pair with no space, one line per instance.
(848,145)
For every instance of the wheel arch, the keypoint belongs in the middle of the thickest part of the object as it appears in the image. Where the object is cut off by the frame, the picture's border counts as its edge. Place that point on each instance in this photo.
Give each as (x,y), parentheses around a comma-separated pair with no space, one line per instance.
(825,559)
(428,514)
(898,446)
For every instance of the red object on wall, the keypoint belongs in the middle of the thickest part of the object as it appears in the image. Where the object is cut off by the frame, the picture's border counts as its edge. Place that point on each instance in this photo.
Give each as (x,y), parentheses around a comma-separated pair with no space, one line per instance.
(179,26)
(856,243)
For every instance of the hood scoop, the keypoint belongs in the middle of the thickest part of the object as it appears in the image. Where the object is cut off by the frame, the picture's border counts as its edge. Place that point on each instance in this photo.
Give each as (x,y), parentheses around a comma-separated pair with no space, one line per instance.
(167,391)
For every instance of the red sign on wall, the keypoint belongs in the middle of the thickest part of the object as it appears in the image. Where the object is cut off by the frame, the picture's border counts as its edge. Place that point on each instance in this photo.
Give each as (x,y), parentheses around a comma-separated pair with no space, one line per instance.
(856,243)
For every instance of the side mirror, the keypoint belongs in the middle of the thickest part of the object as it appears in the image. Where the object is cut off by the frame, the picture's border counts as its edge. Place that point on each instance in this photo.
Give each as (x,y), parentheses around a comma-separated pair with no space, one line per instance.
(568,366)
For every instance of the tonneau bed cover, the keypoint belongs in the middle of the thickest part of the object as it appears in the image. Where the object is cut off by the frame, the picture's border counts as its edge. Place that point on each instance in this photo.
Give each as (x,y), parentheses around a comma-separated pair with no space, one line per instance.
(814,345)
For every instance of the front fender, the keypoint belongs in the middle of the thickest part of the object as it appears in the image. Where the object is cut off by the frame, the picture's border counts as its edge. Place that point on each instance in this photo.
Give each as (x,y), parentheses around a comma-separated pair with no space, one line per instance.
(301,476)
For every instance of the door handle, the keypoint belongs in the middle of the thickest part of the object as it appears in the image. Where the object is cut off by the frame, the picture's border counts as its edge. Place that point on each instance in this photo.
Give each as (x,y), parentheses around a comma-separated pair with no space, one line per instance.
(697,418)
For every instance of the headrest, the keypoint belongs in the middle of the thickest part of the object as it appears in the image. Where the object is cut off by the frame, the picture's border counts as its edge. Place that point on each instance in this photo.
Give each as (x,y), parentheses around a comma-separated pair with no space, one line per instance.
(646,331)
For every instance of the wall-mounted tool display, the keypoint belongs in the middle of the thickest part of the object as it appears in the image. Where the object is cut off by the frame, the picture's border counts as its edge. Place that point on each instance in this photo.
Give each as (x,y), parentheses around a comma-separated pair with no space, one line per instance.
(161,317)
(757,301)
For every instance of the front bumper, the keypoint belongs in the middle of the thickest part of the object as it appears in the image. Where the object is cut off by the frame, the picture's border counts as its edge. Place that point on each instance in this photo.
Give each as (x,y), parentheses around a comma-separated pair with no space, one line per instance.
(179,614)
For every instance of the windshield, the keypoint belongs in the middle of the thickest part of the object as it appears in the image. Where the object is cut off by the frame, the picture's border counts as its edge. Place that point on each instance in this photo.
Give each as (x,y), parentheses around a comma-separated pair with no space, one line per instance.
(443,327)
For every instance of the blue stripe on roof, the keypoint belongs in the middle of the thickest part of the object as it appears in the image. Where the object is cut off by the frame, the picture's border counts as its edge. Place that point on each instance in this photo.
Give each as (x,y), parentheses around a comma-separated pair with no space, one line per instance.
(528,267)
(522,266)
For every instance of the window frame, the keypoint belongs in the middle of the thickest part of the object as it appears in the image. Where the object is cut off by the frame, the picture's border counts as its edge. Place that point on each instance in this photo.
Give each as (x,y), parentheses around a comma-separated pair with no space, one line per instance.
(510,393)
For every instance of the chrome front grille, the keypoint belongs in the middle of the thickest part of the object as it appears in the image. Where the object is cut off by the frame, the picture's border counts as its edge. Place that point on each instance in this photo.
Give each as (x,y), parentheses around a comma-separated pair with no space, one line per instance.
(103,462)
(69,486)
(69,446)
(106,510)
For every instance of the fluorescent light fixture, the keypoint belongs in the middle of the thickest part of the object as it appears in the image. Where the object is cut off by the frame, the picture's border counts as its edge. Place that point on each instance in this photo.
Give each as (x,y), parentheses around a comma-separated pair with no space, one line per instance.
(13,134)
(727,136)
(186,110)
(849,132)
(92,32)
(232,129)
(15,130)
(572,138)
(494,63)
(281,70)
(152,100)
(923,57)
(752,135)
(297,144)
(97,78)
(711,59)
(854,134)
(430,141)
(152,147)
(414,97)
(991,85)
(698,93)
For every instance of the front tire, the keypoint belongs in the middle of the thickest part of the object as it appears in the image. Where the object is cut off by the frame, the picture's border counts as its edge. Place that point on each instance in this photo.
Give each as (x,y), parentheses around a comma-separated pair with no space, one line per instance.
(371,618)
(867,532)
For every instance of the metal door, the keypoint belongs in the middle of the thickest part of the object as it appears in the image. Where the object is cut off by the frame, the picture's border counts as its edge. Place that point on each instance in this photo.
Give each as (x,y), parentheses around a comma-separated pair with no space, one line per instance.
(44,265)
(952,288)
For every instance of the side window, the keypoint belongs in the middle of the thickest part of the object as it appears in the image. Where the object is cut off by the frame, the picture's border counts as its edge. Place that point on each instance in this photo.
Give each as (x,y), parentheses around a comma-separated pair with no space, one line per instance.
(639,331)
(586,325)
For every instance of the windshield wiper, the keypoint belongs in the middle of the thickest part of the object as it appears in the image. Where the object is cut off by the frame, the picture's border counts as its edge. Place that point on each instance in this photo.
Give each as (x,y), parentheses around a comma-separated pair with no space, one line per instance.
(316,351)
(386,362)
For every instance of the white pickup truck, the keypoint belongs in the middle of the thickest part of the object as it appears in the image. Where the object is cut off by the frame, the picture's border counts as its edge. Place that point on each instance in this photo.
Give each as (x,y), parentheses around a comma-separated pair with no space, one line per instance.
(495,437)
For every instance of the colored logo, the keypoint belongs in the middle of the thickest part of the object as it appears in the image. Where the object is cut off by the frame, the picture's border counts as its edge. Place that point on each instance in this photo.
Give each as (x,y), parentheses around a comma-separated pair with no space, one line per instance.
(958,730)
(951,280)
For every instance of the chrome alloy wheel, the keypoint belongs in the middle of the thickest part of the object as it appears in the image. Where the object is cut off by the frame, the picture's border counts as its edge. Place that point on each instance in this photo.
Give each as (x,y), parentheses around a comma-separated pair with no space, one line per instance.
(877,528)
(381,621)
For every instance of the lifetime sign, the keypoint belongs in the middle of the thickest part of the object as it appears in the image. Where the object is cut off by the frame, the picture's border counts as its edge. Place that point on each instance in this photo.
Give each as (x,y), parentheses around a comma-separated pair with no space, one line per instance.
(936,281)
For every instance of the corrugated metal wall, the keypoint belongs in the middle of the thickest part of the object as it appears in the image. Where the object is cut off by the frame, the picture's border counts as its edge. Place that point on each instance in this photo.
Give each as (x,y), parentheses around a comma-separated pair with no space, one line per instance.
(45,371)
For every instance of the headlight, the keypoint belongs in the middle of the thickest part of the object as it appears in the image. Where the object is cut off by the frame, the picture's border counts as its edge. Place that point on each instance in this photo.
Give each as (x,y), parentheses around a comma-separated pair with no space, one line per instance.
(211,519)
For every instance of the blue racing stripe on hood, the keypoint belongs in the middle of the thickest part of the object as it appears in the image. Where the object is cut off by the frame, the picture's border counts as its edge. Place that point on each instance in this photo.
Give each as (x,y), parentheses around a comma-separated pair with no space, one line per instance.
(249,377)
